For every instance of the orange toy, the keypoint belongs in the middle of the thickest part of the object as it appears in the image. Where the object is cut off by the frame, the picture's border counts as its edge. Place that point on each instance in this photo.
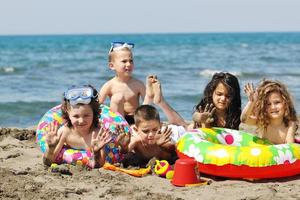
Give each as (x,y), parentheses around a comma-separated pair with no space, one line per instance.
(163,169)
(133,172)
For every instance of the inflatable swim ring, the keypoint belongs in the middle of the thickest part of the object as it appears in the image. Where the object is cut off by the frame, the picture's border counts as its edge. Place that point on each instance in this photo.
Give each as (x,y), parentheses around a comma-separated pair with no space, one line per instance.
(68,155)
(237,154)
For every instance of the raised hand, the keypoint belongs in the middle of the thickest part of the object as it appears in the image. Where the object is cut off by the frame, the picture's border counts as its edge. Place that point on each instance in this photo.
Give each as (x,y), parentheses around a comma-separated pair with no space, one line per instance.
(250,92)
(123,138)
(205,115)
(100,139)
(52,137)
(163,136)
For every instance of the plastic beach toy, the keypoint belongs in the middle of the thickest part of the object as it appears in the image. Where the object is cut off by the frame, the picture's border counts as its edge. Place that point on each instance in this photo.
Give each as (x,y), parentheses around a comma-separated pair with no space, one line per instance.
(185,173)
(163,169)
(238,154)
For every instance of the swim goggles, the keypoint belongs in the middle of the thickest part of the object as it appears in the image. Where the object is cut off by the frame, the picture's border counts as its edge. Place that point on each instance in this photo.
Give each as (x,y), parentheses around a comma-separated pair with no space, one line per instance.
(120,45)
(77,95)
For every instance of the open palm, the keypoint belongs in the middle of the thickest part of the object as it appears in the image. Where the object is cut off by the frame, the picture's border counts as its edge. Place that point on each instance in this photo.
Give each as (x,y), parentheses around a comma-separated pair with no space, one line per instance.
(163,136)
(251,92)
(52,137)
(100,139)
(205,115)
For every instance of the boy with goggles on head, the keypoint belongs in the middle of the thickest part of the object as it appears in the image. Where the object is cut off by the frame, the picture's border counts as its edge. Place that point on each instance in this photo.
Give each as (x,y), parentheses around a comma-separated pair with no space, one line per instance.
(149,138)
(81,129)
(123,89)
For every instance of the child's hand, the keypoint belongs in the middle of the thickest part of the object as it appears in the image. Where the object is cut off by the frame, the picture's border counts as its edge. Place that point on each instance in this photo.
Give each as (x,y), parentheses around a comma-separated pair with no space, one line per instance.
(123,138)
(99,140)
(52,137)
(163,136)
(205,115)
(251,92)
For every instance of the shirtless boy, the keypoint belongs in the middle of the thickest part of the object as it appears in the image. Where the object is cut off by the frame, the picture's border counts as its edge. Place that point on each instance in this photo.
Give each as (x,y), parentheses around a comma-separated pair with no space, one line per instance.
(123,90)
(150,139)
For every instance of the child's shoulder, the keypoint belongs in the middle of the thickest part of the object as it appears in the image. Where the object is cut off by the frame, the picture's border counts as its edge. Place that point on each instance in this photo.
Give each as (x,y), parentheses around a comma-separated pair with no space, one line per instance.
(133,79)
(64,131)
(137,82)
(293,124)
(108,84)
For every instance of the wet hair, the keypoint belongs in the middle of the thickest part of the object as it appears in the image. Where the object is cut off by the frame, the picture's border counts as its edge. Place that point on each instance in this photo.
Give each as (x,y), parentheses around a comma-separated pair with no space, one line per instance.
(112,53)
(66,106)
(147,113)
(264,90)
(233,112)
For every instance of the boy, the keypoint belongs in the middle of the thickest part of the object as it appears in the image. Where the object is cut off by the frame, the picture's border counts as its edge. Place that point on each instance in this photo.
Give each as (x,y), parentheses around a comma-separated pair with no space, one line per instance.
(124,90)
(149,139)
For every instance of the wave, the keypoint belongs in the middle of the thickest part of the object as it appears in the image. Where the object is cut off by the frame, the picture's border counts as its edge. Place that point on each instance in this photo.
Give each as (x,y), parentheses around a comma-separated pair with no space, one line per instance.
(7,70)
(257,74)
(272,59)
(211,72)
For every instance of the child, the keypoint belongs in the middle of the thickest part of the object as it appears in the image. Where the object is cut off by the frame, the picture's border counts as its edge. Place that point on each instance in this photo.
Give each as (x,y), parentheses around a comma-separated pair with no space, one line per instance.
(221,104)
(271,109)
(123,90)
(149,138)
(80,110)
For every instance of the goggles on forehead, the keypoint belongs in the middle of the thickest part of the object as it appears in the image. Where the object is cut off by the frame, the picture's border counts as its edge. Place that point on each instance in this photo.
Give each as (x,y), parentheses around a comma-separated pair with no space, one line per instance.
(77,95)
(120,45)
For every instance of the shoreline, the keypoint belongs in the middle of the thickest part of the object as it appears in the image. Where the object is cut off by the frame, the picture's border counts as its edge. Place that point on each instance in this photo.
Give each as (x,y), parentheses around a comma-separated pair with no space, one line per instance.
(23,176)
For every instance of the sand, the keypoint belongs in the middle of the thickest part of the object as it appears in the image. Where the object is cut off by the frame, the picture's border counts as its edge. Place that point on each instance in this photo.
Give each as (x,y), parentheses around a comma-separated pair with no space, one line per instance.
(23,176)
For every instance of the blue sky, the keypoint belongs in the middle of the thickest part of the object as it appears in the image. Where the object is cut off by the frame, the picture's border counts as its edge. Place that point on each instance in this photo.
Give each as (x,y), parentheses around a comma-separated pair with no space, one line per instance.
(155,16)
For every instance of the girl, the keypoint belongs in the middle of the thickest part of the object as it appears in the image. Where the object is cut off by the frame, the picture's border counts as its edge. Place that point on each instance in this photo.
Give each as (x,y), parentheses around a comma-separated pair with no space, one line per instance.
(221,104)
(271,109)
(80,111)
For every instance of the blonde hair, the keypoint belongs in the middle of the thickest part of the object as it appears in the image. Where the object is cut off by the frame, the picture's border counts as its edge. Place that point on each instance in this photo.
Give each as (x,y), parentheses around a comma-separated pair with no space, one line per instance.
(264,90)
(111,54)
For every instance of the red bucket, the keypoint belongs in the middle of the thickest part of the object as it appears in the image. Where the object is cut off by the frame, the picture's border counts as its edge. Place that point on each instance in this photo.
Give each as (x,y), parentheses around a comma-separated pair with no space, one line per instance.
(185,172)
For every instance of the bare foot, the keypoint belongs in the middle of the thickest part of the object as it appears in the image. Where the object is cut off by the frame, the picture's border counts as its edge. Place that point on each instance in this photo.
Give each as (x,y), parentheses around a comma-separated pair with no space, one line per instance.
(157,92)
(149,88)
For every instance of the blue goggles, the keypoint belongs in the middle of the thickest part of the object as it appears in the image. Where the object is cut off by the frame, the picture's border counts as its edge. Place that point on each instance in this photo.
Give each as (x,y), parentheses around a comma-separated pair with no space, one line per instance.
(77,95)
(120,45)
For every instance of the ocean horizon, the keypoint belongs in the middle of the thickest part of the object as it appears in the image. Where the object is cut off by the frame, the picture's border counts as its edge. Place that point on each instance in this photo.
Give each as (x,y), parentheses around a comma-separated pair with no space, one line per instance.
(36,69)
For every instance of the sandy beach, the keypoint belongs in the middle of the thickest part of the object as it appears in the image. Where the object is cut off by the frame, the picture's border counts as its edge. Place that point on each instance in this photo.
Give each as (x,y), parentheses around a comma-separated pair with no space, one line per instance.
(23,176)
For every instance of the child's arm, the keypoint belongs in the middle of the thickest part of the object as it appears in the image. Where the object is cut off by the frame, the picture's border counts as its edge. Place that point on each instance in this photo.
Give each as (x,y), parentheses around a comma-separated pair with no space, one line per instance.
(148,97)
(55,142)
(98,141)
(290,136)
(143,92)
(133,143)
(247,113)
(123,139)
(158,99)
(104,92)
(172,116)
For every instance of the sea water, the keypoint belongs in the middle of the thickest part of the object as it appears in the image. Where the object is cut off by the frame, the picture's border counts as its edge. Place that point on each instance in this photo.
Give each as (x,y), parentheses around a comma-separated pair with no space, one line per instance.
(36,70)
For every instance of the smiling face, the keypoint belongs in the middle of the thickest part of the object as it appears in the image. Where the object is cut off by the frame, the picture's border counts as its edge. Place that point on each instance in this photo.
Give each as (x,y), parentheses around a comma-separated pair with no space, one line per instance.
(147,129)
(220,97)
(81,117)
(275,106)
(122,62)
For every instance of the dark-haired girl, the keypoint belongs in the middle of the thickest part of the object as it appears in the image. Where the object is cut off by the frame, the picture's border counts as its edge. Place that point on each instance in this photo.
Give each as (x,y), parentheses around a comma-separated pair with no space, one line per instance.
(221,103)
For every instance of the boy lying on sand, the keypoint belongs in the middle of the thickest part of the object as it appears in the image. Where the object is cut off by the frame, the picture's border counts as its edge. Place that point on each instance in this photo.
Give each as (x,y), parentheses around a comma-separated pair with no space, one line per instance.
(151,139)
